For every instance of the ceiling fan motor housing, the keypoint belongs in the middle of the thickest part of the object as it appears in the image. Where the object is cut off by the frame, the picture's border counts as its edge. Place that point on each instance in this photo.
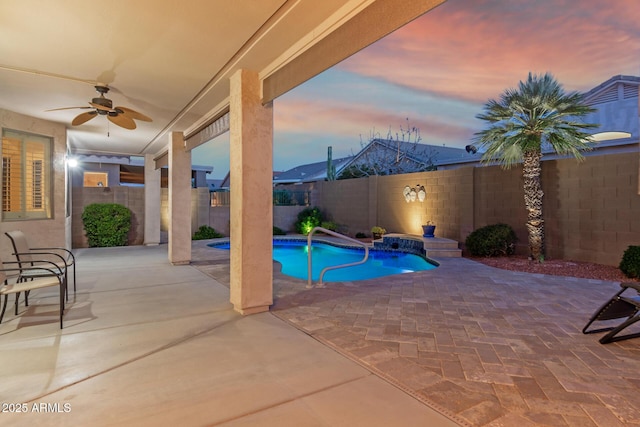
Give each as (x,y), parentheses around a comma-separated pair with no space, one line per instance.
(104,102)
(101,100)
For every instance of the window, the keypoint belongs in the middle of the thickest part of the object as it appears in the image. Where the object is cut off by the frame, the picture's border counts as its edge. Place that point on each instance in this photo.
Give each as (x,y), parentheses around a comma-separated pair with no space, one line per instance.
(26,176)
(96,179)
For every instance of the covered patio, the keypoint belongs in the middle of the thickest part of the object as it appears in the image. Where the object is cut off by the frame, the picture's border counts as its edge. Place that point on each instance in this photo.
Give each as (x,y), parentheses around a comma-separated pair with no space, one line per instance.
(188,75)
(148,343)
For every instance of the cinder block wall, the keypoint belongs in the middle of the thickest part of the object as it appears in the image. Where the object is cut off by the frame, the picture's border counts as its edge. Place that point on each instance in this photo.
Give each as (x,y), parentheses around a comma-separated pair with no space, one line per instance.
(131,197)
(284,217)
(365,202)
(591,209)
(499,198)
(219,219)
(345,202)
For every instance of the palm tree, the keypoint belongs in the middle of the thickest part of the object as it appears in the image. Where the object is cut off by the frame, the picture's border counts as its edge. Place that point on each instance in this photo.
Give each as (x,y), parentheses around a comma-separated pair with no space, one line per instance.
(538,113)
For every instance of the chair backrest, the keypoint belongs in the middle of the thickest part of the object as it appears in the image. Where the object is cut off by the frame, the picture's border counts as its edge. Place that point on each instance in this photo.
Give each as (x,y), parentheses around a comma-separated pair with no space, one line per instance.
(20,246)
(3,274)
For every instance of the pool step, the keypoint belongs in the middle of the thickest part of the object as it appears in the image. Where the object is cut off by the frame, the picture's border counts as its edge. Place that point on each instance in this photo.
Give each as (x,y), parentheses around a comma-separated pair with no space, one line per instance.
(438,247)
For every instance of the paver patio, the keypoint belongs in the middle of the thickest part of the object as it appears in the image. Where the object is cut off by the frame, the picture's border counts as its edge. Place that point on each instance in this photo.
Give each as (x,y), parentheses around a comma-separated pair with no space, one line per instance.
(486,347)
(147,343)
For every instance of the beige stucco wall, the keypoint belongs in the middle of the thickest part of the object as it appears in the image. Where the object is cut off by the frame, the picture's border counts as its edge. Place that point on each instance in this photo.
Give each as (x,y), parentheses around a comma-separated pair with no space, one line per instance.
(46,232)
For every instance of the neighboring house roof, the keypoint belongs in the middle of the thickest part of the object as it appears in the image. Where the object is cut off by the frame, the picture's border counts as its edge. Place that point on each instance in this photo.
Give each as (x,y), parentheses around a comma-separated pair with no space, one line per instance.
(612,89)
(616,101)
(213,183)
(426,154)
(310,172)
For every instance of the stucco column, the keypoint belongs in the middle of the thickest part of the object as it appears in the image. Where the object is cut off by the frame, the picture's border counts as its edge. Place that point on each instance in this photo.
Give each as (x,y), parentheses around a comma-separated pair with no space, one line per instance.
(179,200)
(151,202)
(251,158)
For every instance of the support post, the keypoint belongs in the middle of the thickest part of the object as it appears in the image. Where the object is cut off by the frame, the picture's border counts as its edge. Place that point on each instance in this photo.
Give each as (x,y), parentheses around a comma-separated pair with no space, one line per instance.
(179,200)
(251,158)
(152,198)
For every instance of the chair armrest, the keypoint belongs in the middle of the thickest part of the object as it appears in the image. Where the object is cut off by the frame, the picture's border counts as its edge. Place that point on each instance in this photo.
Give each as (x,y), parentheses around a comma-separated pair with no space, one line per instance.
(62,259)
(69,253)
(32,268)
(632,285)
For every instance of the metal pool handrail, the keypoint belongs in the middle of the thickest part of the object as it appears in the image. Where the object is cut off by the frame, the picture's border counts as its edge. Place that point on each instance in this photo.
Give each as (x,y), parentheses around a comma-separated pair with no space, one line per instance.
(333,267)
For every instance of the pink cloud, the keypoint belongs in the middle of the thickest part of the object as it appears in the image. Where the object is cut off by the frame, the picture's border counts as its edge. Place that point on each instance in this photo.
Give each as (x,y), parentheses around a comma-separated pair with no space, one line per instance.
(474,50)
(359,120)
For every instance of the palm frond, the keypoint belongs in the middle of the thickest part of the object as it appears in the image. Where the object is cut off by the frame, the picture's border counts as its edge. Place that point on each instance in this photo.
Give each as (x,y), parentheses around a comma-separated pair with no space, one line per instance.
(538,112)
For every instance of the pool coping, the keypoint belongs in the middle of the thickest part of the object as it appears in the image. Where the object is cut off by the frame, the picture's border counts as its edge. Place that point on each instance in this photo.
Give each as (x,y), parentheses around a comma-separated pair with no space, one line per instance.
(332,241)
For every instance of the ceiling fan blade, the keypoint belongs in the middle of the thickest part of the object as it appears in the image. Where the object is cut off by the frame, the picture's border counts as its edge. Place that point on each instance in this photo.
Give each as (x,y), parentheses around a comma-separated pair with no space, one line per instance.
(65,108)
(133,114)
(83,118)
(100,107)
(122,121)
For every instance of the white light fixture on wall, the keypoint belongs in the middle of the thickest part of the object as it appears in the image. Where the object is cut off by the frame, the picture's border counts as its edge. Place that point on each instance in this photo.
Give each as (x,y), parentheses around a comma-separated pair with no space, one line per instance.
(411,194)
(422,194)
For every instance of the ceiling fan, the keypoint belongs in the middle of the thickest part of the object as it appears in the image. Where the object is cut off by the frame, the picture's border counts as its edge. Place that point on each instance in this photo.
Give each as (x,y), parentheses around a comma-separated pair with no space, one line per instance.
(102,106)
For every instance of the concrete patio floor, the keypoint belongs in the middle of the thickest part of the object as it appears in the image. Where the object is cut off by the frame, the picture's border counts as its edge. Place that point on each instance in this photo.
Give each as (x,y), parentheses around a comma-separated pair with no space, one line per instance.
(147,343)
(486,347)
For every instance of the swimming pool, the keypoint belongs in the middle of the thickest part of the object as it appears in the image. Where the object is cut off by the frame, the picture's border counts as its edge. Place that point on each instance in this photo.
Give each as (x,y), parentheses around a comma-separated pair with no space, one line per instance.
(292,254)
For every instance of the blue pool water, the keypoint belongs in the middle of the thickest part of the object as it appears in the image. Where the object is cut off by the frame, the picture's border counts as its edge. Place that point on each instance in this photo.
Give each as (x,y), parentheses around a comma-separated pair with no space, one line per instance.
(293,257)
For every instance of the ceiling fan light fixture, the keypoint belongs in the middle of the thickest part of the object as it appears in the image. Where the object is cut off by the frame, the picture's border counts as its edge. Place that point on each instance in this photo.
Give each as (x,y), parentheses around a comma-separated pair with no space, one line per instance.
(120,116)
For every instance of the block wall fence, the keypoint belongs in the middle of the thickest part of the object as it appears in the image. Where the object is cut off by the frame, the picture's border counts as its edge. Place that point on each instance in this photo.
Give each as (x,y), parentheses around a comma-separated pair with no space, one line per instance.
(133,197)
(591,209)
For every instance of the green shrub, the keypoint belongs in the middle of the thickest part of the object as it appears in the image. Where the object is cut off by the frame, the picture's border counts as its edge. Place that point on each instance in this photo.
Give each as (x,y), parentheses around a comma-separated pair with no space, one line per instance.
(307,220)
(492,240)
(376,229)
(360,235)
(206,232)
(277,231)
(106,224)
(630,264)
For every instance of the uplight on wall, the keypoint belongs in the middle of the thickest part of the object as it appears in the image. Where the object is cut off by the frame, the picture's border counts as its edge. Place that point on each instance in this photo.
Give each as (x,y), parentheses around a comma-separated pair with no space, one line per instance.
(72,162)
(411,194)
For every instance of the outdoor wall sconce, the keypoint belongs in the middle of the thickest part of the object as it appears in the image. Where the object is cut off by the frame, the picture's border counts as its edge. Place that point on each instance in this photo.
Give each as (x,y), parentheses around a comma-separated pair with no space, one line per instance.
(412,193)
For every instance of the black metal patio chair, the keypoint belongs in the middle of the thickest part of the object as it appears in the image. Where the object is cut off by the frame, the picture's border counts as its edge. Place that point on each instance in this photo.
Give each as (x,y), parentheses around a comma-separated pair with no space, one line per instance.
(621,305)
(13,284)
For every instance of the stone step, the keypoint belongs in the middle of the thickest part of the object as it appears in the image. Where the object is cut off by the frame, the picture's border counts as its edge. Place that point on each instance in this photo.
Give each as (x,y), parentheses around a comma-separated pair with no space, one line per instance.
(439,243)
(443,253)
(433,246)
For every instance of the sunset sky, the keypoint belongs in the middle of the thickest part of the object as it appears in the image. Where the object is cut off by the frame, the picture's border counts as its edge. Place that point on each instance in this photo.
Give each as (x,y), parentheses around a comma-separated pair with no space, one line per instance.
(439,70)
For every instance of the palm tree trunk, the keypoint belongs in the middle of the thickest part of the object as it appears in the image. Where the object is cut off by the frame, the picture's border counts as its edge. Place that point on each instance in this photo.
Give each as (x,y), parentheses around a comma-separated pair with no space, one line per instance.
(531,170)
